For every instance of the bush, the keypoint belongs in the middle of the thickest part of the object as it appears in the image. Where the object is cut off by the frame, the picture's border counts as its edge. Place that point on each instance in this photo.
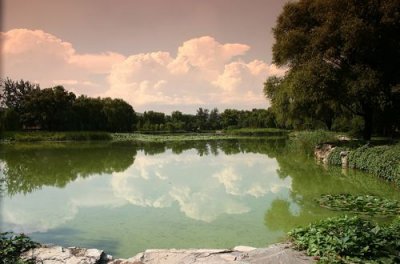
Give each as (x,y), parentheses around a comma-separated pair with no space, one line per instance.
(349,240)
(383,161)
(12,246)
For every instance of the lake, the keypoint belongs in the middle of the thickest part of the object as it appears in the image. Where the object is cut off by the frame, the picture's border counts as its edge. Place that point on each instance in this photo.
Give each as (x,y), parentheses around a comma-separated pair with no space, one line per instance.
(128,197)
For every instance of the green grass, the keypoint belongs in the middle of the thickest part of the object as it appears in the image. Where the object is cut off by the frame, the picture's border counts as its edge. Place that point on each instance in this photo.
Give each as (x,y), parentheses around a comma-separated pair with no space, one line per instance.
(306,141)
(54,136)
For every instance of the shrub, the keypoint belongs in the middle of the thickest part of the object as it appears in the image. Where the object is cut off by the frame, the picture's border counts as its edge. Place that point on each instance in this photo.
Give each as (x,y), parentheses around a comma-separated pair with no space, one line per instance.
(12,246)
(383,161)
(349,240)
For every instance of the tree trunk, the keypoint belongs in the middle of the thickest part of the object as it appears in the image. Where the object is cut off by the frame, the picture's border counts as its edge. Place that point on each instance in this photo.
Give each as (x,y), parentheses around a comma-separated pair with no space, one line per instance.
(367,132)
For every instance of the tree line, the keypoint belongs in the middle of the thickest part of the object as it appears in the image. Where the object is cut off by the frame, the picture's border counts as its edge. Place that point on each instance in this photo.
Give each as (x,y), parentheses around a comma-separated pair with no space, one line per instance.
(25,106)
(205,120)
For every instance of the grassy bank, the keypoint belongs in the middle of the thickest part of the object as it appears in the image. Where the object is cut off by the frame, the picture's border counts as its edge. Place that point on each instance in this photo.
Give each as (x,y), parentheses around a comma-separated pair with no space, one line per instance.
(54,136)
(306,141)
(382,161)
(130,137)
(178,137)
(379,157)
(265,132)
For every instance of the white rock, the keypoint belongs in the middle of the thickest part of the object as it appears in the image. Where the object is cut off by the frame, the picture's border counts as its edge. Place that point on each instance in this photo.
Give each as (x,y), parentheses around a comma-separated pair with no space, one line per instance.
(243,248)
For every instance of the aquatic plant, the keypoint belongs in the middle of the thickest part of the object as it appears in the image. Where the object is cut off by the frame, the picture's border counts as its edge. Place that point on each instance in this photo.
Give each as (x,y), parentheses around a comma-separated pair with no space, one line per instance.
(349,240)
(368,204)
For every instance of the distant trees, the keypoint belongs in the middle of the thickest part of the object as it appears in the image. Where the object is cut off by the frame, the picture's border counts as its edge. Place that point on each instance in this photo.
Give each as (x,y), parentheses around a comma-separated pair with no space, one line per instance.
(205,120)
(342,58)
(25,106)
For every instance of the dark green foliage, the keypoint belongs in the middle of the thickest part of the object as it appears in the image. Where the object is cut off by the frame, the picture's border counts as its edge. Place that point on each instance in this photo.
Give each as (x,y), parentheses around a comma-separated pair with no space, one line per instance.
(337,66)
(12,246)
(24,105)
(383,161)
(205,120)
(349,240)
(367,204)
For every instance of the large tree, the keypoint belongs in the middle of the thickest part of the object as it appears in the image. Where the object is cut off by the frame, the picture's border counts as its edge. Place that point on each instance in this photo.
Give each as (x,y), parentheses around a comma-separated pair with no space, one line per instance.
(342,53)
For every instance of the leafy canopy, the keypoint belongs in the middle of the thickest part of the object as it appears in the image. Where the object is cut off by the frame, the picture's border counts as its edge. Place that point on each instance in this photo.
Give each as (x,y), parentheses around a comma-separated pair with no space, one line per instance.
(342,56)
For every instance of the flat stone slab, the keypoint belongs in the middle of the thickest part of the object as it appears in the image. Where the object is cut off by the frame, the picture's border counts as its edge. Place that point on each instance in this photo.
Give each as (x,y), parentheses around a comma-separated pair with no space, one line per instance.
(49,254)
(274,254)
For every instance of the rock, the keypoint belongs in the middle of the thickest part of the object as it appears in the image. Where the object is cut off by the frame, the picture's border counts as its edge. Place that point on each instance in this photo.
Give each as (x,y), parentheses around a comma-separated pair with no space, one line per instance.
(243,248)
(322,152)
(278,253)
(49,254)
(344,157)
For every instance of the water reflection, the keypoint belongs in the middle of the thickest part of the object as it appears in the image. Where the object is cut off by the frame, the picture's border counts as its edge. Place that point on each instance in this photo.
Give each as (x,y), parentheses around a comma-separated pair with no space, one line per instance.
(176,194)
(308,182)
(27,167)
(204,187)
(201,182)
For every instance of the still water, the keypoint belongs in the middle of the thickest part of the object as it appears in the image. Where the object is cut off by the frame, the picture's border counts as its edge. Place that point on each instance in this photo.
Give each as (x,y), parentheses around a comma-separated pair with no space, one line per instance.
(126,197)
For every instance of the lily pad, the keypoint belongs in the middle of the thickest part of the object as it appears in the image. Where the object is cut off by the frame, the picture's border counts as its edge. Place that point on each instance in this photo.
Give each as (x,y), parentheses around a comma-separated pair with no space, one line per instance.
(366,204)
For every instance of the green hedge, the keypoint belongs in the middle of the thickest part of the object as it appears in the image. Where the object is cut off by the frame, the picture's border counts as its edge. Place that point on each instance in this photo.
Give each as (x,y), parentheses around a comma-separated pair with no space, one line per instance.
(383,161)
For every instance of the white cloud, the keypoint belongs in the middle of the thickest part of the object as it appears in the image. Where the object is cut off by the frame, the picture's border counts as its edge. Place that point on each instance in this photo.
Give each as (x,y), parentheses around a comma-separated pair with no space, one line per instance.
(204,72)
(209,192)
(41,57)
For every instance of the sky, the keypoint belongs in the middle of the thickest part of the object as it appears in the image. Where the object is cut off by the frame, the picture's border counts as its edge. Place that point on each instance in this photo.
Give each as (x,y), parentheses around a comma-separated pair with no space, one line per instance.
(160,55)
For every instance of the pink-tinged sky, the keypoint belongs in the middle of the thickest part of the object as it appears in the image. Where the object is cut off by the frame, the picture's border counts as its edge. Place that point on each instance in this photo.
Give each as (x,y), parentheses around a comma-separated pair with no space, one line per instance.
(158,55)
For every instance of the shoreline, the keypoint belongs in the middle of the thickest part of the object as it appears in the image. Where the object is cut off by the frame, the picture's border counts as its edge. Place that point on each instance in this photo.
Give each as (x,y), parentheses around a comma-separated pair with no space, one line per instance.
(78,136)
(275,253)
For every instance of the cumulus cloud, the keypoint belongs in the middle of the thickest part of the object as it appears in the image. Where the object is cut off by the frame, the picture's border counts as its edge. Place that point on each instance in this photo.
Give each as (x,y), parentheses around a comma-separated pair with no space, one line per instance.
(203,73)
(202,193)
(42,57)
